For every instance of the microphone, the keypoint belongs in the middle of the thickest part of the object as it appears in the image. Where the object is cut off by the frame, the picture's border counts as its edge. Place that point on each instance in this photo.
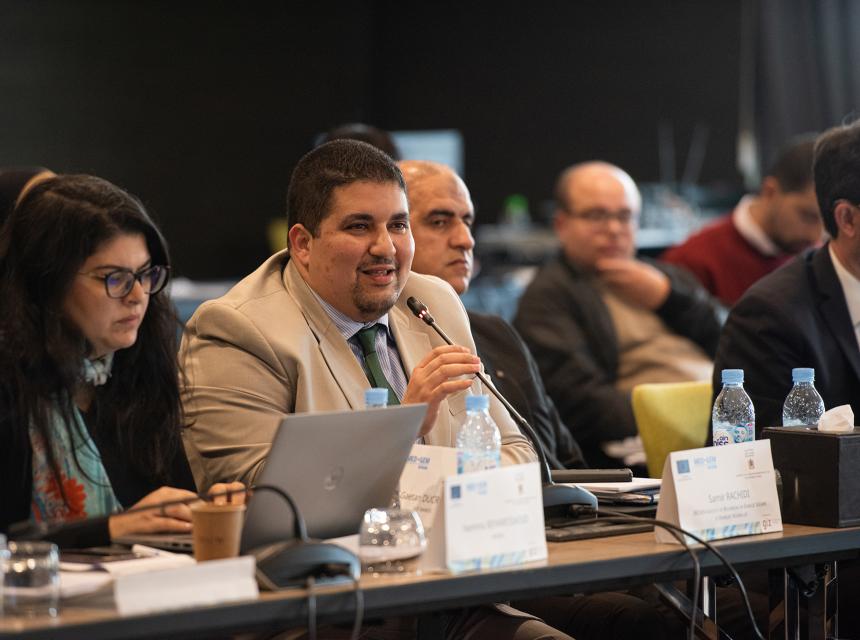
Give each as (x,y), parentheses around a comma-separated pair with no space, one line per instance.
(290,562)
(558,499)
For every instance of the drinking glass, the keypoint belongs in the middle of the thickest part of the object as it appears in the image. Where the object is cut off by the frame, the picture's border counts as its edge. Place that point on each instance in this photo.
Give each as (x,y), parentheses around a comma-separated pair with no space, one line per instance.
(31,579)
(390,541)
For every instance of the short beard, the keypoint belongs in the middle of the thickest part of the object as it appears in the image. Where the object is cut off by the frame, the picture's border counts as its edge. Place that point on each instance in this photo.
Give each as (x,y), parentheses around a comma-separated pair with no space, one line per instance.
(372,308)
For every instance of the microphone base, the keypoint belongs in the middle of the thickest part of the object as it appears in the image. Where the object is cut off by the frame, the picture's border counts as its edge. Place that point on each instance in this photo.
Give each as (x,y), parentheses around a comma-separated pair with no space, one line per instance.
(568,500)
(289,563)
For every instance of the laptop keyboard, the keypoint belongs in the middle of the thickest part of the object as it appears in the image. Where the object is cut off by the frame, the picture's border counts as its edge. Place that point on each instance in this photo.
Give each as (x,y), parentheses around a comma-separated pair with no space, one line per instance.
(176,542)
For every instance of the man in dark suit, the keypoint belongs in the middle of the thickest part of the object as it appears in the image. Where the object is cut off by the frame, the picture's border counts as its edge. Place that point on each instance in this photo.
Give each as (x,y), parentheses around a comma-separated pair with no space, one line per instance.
(807,314)
(441,216)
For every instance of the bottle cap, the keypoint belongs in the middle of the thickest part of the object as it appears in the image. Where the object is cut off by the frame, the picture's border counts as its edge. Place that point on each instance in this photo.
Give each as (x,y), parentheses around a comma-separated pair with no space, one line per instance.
(733,376)
(477,403)
(375,397)
(803,375)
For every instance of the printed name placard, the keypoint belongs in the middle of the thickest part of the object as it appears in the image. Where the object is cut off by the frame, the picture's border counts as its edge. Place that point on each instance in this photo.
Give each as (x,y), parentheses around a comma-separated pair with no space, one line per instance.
(423,478)
(475,520)
(489,519)
(720,492)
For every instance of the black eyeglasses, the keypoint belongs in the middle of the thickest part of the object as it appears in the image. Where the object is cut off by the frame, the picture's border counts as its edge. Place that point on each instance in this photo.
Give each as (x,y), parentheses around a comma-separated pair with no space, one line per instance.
(120,282)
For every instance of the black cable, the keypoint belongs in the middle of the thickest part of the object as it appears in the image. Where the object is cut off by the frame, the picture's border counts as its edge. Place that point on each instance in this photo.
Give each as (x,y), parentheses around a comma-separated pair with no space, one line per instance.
(312,608)
(622,517)
(697,572)
(359,610)
(28,530)
(206,497)
(300,531)
(697,580)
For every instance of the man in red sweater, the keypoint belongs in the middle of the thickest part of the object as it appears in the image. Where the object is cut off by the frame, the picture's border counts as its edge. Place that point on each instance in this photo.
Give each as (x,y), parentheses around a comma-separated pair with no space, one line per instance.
(763,232)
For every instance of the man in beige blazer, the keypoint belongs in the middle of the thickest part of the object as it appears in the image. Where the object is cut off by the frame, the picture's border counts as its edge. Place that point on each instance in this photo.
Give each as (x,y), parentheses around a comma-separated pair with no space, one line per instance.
(281,340)
(273,344)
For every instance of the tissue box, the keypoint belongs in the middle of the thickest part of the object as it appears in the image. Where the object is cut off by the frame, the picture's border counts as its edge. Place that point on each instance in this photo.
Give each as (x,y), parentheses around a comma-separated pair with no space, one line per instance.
(820,483)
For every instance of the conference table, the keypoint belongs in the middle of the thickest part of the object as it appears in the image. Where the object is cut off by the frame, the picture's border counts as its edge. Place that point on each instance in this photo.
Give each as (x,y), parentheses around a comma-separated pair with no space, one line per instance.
(617,562)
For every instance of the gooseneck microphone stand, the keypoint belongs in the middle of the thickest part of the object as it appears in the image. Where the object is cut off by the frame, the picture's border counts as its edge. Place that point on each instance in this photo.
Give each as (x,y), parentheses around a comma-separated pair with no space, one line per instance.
(559,500)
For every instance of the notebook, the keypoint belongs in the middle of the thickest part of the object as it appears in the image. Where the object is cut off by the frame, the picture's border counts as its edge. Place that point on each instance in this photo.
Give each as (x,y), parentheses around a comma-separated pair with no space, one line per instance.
(334,465)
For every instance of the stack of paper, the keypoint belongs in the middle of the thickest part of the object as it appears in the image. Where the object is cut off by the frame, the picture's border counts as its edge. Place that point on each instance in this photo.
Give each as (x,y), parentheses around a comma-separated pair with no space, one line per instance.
(79,578)
(163,581)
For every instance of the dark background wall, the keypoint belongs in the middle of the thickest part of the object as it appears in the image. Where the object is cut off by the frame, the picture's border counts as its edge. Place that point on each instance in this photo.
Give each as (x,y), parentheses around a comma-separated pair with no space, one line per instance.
(203,108)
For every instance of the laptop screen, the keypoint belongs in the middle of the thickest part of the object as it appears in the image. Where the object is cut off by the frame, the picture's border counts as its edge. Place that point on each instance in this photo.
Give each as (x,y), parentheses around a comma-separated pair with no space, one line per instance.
(335,466)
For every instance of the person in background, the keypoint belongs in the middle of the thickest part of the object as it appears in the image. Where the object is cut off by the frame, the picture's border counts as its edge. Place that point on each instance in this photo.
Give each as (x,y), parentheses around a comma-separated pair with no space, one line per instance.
(762,233)
(378,138)
(599,321)
(14,184)
(90,415)
(807,314)
(442,216)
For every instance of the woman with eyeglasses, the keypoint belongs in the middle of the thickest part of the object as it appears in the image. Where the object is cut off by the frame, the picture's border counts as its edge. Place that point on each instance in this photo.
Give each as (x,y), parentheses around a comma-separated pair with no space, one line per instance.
(90,416)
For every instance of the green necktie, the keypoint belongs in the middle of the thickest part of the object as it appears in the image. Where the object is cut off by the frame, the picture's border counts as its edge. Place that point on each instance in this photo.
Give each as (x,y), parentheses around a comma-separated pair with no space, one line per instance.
(367,339)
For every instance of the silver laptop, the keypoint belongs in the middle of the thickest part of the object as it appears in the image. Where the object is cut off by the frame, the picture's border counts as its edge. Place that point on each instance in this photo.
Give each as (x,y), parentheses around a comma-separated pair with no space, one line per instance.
(335,466)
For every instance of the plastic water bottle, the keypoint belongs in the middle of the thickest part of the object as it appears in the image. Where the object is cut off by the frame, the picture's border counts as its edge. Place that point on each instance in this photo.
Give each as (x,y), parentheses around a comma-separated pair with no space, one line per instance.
(479,444)
(803,405)
(375,398)
(733,416)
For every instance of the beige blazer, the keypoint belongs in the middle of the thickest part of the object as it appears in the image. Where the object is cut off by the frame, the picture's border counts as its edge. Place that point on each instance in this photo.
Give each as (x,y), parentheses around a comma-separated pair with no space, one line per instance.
(268,348)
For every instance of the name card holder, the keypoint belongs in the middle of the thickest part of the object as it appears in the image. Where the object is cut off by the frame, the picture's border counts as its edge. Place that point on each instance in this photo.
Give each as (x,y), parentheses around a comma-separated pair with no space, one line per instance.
(475,520)
(423,478)
(720,492)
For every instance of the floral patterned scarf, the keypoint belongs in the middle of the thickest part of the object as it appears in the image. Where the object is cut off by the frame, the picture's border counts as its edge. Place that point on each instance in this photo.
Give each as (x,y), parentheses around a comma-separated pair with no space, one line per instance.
(85,483)
(82,476)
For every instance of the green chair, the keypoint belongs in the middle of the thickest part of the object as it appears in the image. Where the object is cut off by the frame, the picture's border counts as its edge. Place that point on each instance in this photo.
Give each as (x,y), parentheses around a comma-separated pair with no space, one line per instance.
(671,416)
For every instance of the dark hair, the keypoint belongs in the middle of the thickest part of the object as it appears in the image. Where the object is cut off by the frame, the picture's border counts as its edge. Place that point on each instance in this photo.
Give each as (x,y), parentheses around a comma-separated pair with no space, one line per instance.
(49,235)
(380,139)
(792,164)
(836,168)
(331,165)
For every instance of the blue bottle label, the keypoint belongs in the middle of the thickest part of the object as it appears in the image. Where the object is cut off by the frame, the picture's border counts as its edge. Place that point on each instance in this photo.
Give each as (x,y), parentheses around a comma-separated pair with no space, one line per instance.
(722,437)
